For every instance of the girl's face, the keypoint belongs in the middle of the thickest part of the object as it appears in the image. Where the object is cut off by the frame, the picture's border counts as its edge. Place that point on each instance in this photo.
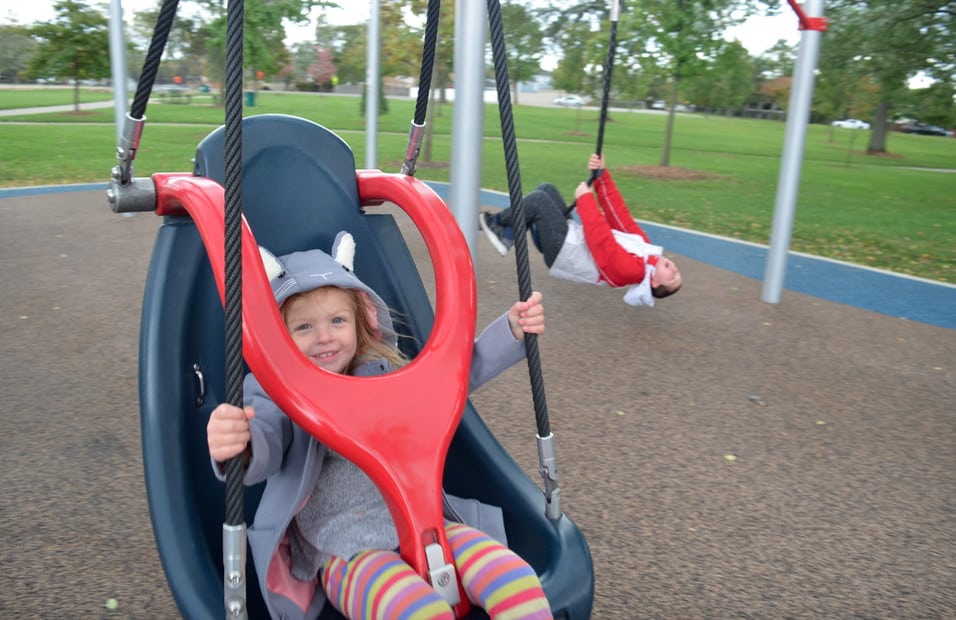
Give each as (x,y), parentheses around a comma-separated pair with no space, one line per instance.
(667,274)
(322,324)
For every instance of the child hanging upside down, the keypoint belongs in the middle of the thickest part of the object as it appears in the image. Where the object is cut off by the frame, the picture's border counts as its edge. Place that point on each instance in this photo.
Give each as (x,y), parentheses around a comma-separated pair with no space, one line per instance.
(322,530)
(606,247)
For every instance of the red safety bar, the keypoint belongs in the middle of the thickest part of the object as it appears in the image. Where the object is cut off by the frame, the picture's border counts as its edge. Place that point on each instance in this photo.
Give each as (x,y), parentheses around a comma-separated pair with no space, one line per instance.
(396,427)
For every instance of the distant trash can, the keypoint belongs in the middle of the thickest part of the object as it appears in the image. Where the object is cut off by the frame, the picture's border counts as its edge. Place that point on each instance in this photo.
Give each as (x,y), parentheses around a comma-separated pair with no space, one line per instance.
(250,98)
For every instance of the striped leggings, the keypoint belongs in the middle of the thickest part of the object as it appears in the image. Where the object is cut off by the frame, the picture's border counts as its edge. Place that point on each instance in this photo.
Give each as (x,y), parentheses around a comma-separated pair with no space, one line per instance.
(379,584)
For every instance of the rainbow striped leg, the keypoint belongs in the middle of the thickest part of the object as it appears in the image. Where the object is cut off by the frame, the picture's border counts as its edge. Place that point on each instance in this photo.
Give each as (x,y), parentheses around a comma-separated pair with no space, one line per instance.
(380,585)
(496,578)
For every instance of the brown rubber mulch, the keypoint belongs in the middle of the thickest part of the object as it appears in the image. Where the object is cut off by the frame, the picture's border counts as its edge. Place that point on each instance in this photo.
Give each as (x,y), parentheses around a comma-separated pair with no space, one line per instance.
(726,458)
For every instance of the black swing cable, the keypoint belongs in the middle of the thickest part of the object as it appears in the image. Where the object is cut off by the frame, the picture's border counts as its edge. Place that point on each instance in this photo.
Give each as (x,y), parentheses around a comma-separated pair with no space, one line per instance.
(234,528)
(127,194)
(606,95)
(608,67)
(546,456)
(417,129)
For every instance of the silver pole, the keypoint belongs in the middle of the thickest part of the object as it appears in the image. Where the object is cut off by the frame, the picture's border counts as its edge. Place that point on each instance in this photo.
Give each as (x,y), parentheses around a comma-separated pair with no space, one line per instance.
(371,84)
(797,119)
(118,67)
(468,116)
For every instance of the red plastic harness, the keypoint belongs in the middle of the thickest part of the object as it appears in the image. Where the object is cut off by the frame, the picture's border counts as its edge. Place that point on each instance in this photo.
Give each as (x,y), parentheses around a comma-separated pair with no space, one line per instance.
(396,427)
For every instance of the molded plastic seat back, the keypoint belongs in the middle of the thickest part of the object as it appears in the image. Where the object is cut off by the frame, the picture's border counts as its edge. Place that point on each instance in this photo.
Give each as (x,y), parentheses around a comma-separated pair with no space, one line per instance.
(299,190)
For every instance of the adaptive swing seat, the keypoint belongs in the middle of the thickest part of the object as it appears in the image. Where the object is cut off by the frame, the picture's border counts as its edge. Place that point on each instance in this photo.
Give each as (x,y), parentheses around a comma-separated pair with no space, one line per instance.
(299,188)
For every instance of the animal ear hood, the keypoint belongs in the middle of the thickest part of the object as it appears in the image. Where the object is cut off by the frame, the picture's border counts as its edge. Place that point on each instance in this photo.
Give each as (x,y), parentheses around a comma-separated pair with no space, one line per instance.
(301,272)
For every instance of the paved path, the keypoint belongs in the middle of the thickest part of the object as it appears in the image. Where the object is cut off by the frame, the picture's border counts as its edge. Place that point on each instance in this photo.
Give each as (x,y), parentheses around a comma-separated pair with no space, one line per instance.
(57,108)
(839,503)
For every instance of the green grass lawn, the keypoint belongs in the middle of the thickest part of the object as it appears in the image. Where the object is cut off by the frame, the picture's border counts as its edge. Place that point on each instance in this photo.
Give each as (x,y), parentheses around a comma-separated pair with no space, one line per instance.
(12,98)
(889,212)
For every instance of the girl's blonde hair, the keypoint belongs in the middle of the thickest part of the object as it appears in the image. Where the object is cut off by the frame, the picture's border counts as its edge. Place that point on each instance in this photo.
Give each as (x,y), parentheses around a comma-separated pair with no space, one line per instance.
(370,343)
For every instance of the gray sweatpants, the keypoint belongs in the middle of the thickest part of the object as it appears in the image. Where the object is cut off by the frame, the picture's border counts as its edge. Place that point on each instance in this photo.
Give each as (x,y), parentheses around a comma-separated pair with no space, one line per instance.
(544,209)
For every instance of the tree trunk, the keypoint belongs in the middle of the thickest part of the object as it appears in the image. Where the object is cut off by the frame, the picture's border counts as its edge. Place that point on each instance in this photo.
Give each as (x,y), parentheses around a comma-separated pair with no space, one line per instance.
(878,135)
(76,94)
(671,112)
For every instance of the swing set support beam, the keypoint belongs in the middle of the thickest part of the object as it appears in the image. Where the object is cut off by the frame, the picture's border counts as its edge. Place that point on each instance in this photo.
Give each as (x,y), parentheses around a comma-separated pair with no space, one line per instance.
(790,165)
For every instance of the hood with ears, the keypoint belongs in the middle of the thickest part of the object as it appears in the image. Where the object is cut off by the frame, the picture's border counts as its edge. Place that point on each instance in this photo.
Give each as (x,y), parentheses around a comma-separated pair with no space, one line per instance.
(301,272)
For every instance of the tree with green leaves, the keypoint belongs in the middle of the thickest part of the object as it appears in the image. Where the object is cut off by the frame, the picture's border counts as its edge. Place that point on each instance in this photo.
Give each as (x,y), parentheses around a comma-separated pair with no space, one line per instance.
(933,105)
(263,34)
(524,44)
(887,43)
(350,52)
(574,33)
(186,53)
(16,49)
(842,88)
(74,46)
(678,35)
(725,81)
(778,61)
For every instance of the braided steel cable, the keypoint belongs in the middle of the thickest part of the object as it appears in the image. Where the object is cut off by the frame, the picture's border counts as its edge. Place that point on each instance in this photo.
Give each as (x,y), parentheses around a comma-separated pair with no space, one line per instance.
(234,528)
(517,209)
(122,174)
(605,99)
(416,131)
(233,243)
(428,60)
(157,44)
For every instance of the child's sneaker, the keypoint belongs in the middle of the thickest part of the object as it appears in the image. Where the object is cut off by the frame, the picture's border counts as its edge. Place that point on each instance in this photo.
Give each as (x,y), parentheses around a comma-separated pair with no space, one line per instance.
(501,237)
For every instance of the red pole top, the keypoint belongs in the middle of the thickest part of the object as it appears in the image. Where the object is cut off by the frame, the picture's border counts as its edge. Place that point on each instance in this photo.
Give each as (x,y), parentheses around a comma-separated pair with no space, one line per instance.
(806,22)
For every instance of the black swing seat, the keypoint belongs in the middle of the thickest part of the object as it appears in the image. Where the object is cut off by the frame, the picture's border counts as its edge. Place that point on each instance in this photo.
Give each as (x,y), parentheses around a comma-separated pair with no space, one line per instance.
(299,189)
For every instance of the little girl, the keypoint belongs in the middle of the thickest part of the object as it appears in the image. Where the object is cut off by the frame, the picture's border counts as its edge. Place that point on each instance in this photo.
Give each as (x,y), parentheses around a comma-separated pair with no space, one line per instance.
(321,519)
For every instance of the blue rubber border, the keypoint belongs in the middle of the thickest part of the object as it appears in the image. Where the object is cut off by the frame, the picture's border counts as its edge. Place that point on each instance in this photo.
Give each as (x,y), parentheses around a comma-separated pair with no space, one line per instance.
(885,292)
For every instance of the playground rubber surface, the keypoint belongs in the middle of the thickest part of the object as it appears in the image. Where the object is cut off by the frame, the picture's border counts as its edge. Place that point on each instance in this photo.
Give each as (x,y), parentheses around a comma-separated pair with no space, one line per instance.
(725,457)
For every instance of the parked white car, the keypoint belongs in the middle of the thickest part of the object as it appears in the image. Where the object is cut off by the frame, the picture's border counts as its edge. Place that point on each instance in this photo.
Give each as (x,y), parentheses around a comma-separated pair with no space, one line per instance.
(569,100)
(851,123)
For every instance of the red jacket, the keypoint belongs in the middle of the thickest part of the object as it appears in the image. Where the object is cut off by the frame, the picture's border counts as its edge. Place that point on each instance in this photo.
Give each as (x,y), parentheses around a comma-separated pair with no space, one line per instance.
(616,266)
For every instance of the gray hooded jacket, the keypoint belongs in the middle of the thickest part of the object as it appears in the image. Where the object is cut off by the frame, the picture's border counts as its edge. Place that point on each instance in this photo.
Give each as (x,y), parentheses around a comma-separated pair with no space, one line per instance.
(290,460)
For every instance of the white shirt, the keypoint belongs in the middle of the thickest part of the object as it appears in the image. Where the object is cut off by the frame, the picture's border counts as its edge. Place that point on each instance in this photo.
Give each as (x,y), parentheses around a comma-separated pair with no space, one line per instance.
(575,263)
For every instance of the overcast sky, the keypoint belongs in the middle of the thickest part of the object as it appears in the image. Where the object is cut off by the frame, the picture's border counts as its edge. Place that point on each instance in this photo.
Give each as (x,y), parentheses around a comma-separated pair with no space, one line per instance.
(757,34)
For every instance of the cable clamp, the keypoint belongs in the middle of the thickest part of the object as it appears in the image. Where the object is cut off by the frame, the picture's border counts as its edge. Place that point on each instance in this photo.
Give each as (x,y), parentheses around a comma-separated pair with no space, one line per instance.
(548,467)
(415,134)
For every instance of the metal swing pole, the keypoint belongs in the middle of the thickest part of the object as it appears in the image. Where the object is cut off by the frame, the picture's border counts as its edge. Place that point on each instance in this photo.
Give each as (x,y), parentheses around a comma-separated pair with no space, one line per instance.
(373,74)
(547,462)
(798,114)
(118,69)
